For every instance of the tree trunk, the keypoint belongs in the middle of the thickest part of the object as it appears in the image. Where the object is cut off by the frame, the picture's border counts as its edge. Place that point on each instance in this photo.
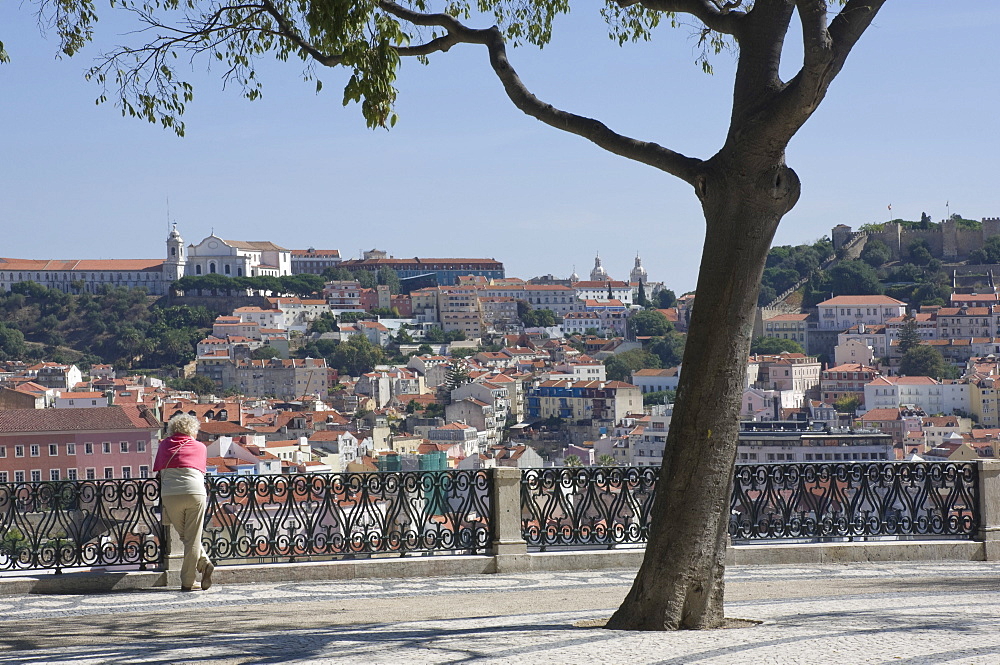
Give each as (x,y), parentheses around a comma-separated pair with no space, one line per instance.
(680,583)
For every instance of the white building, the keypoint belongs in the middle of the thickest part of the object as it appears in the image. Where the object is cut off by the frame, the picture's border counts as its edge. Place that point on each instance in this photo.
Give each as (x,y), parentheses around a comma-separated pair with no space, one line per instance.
(656,380)
(843,312)
(893,392)
(600,290)
(80,400)
(238,258)
(265,318)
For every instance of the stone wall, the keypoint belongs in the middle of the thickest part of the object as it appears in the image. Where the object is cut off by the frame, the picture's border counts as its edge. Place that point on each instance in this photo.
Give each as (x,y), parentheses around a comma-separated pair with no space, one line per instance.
(947,241)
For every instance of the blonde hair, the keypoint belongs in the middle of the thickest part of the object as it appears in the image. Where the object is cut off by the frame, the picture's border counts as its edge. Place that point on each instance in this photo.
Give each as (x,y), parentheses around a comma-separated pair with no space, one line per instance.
(183,423)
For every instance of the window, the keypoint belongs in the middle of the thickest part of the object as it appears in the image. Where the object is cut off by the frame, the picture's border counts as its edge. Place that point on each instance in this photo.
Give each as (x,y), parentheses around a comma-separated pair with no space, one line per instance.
(140,446)
(144,472)
(106,446)
(53,474)
(53,449)
(36,475)
(18,451)
(124,446)
(19,476)
(88,449)
(91,473)
(3,476)
(71,449)
(36,450)
(3,451)
(109,472)
(71,474)
(126,472)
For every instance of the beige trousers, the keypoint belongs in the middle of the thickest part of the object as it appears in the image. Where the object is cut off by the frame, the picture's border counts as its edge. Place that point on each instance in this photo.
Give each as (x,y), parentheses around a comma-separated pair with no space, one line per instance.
(187,513)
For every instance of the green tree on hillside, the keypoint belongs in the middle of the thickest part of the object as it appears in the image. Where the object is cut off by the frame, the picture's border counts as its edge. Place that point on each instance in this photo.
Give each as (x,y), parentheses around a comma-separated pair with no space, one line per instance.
(875,253)
(924,361)
(620,366)
(847,404)
(989,253)
(649,323)
(386,276)
(669,348)
(665,299)
(909,335)
(264,353)
(855,278)
(12,346)
(356,356)
(920,252)
(774,346)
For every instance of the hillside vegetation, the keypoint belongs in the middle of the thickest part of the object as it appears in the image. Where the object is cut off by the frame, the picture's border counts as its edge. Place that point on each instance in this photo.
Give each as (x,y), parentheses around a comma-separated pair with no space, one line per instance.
(119,326)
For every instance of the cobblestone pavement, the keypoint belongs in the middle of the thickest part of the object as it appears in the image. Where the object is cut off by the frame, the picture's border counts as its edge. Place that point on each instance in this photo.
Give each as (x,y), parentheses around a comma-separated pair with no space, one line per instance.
(912,614)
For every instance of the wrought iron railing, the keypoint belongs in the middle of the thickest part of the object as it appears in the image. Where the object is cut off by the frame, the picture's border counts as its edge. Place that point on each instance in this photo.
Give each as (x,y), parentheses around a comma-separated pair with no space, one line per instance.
(586,506)
(611,506)
(68,524)
(850,499)
(282,517)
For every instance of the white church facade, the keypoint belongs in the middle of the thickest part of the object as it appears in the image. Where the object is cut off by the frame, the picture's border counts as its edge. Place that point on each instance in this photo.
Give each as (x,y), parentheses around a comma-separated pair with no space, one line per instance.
(213,255)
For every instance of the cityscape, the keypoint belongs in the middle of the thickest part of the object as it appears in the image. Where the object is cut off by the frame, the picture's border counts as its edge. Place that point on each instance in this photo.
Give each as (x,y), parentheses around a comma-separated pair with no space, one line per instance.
(383,363)
(496,331)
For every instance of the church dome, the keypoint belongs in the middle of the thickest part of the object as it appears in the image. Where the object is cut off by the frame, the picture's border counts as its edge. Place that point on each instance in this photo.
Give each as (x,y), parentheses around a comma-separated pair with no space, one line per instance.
(574,277)
(638,273)
(599,274)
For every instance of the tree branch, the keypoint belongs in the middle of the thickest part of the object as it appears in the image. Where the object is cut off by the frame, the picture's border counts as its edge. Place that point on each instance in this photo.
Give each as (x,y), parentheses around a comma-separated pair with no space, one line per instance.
(852,21)
(718,15)
(288,30)
(825,52)
(597,132)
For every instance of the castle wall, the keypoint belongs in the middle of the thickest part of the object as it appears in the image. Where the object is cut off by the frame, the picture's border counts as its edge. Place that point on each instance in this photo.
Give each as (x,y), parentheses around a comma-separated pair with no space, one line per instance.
(969,240)
(947,241)
(933,237)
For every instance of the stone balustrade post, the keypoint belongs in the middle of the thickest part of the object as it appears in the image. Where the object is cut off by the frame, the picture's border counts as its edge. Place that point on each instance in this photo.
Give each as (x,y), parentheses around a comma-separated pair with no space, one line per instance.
(173,552)
(508,547)
(989,508)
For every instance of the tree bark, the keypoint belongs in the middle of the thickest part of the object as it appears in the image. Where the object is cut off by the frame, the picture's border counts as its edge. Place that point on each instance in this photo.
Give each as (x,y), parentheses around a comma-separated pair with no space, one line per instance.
(680,583)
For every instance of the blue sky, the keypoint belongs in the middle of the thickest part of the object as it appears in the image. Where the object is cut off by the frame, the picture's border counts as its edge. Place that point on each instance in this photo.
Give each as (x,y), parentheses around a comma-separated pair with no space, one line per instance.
(910,122)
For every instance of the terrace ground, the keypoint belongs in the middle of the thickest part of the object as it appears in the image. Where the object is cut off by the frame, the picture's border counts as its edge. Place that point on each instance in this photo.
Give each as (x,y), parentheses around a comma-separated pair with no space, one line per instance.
(944,612)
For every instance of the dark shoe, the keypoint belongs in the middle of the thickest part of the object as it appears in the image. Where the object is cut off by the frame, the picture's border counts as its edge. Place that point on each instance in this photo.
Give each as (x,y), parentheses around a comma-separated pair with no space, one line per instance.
(187,588)
(206,576)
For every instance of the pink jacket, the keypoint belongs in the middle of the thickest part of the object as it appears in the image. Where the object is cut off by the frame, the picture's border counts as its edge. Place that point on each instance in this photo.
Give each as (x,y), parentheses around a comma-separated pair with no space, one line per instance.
(180,451)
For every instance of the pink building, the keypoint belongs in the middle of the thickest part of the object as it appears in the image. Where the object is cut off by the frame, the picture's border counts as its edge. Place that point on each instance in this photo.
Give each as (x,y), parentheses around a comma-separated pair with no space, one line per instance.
(77,444)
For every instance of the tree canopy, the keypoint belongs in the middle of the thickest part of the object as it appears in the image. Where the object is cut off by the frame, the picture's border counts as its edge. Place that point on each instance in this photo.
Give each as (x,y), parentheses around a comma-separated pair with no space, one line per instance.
(620,366)
(909,335)
(988,253)
(649,323)
(773,345)
(875,253)
(924,361)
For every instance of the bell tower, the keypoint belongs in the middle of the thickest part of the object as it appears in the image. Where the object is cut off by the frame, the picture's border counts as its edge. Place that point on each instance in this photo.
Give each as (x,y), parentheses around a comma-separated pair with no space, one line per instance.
(173,267)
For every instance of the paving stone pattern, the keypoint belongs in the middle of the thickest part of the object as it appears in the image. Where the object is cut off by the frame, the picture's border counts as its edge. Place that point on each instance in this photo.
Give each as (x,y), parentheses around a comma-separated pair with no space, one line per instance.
(911,614)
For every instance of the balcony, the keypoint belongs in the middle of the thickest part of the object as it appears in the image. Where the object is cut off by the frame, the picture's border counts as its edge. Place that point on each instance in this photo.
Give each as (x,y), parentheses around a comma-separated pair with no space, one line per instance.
(385,524)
